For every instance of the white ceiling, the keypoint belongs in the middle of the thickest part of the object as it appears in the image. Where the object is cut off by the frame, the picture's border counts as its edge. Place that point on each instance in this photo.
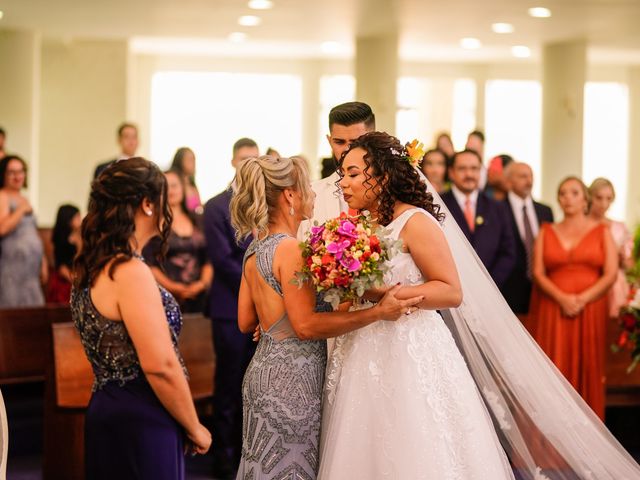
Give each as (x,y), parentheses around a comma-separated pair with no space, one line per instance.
(429,29)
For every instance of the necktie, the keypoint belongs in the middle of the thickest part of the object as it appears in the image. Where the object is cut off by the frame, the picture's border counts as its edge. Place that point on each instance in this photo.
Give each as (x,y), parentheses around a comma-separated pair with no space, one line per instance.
(468,214)
(528,239)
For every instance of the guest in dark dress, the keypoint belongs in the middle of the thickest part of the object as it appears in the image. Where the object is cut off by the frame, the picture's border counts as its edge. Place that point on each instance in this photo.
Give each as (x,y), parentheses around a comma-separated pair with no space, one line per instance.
(184,162)
(65,238)
(141,408)
(186,271)
(282,388)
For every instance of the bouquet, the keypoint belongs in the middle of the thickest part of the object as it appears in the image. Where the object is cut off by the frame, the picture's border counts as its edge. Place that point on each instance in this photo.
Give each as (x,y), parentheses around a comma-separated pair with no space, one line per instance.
(629,337)
(344,257)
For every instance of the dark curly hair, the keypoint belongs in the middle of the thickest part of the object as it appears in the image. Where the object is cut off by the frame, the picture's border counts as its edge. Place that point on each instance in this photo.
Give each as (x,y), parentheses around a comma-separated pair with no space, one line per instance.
(386,160)
(107,229)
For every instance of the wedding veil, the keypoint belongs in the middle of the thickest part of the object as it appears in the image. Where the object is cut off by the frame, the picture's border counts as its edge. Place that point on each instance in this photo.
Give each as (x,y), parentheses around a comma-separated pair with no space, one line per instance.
(545,427)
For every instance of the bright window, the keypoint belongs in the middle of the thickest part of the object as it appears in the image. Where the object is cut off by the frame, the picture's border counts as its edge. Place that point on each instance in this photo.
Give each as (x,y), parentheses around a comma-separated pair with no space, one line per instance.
(606,137)
(513,123)
(209,111)
(427,107)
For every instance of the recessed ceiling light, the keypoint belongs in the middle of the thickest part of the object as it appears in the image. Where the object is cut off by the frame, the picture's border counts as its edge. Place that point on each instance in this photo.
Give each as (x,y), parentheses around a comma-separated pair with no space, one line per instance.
(540,12)
(501,27)
(470,43)
(249,20)
(521,51)
(237,37)
(260,4)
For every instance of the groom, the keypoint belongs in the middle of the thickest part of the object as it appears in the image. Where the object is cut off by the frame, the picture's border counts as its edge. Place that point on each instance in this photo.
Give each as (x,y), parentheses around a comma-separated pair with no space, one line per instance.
(347,122)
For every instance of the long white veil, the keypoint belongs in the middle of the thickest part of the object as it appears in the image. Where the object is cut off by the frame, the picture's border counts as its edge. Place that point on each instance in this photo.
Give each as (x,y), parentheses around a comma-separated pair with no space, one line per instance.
(546,428)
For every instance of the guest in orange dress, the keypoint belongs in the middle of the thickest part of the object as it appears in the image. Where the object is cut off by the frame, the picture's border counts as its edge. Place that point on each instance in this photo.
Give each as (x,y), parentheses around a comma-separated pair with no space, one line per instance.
(575,263)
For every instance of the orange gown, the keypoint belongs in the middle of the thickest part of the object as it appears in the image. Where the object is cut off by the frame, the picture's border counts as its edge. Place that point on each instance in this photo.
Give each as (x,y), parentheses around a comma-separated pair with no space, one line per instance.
(575,345)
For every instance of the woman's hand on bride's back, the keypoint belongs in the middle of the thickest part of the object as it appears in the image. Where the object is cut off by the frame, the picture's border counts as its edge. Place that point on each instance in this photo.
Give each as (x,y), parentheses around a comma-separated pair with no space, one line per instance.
(391,308)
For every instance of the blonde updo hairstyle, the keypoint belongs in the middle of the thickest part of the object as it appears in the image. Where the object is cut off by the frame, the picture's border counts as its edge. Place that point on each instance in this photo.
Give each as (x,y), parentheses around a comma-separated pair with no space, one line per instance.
(599,183)
(258,185)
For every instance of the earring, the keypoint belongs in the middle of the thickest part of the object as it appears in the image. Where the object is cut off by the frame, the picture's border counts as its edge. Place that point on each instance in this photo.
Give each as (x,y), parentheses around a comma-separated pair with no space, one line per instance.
(149,213)
(291,211)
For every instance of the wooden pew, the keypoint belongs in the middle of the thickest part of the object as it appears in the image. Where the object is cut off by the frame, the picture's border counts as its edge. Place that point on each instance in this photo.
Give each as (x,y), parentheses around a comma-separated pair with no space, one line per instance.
(25,339)
(69,391)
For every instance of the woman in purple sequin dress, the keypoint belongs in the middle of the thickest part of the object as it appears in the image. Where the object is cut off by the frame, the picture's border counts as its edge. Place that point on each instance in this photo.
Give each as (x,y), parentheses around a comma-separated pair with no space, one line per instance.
(141,411)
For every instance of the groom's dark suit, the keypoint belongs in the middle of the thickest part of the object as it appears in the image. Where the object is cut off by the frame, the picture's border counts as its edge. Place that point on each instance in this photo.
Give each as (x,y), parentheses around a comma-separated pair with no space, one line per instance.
(233,348)
(492,238)
(517,290)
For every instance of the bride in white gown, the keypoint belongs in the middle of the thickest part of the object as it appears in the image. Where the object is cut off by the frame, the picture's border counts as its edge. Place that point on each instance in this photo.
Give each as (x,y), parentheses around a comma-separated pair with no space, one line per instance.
(400,402)
(447,397)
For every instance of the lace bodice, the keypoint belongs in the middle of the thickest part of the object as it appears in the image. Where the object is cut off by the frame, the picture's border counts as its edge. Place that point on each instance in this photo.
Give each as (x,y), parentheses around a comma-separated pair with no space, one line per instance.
(107,343)
(402,267)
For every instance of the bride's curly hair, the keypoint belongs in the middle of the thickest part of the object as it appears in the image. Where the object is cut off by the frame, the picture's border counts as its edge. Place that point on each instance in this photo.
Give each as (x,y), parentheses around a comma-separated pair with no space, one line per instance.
(387,161)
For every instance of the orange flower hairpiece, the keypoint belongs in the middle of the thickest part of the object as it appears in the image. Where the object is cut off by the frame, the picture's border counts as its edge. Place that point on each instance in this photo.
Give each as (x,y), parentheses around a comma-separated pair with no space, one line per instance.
(415,152)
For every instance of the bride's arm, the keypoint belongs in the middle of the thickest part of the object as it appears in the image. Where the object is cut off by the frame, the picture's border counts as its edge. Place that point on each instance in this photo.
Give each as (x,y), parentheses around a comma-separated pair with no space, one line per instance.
(430,251)
(300,303)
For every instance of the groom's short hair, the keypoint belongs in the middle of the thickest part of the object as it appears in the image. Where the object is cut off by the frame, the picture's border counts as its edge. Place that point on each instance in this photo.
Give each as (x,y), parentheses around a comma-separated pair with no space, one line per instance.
(351,113)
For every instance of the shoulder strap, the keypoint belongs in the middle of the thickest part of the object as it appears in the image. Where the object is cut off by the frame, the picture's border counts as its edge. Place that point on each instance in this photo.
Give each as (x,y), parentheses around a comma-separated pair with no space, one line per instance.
(398,224)
(264,251)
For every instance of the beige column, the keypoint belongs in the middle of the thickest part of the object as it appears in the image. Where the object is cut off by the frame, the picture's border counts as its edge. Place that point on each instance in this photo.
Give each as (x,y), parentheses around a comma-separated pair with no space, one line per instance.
(563,79)
(19,98)
(377,60)
(377,76)
(83,100)
(633,173)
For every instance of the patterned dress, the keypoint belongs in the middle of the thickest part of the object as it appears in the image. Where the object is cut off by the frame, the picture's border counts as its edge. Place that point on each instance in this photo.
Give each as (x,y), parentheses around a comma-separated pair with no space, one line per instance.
(128,432)
(20,262)
(281,393)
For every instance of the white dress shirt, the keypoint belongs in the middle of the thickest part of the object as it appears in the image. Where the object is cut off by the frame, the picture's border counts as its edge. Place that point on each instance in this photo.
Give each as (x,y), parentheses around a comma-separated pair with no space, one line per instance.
(516,205)
(328,204)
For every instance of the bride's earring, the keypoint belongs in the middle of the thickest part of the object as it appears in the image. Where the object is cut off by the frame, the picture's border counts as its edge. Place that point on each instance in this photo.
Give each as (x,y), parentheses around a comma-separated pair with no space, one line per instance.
(291,211)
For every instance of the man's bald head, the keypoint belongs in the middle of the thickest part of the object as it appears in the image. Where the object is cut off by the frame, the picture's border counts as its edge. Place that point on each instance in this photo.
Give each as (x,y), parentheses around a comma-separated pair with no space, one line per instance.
(519,177)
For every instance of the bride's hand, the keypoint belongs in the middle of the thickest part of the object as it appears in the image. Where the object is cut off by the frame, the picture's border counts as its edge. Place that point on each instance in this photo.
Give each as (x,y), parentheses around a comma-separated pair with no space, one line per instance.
(391,307)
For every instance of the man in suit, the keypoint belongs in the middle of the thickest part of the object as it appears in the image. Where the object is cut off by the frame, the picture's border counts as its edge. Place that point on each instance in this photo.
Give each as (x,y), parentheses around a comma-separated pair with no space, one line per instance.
(233,348)
(128,142)
(526,216)
(347,122)
(484,221)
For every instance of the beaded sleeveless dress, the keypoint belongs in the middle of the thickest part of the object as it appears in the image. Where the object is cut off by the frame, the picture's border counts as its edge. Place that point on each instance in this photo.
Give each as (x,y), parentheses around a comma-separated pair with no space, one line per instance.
(281,393)
(128,432)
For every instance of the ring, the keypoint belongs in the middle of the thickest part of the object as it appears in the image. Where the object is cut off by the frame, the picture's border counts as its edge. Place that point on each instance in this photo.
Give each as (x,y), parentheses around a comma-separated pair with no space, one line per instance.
(408,312)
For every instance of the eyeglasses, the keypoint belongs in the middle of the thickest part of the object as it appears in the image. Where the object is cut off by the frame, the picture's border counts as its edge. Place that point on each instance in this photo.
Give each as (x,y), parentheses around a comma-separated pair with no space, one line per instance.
(16,173)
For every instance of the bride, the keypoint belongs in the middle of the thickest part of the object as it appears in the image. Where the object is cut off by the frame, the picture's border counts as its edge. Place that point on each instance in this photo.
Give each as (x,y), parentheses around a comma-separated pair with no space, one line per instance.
(447,397)
(400,402)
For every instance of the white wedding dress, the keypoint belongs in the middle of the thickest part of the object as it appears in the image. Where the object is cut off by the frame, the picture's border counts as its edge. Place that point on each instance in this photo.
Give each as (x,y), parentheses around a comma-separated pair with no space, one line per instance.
(400,402)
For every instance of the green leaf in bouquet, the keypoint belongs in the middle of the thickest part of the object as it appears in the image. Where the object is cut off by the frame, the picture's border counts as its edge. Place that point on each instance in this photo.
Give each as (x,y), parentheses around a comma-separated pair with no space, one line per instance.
(299,279)
(332,296)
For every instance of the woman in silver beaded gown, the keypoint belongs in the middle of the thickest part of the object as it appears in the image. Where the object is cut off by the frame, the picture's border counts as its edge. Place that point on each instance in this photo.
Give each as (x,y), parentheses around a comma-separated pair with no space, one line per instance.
(141,408)
(282,388)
